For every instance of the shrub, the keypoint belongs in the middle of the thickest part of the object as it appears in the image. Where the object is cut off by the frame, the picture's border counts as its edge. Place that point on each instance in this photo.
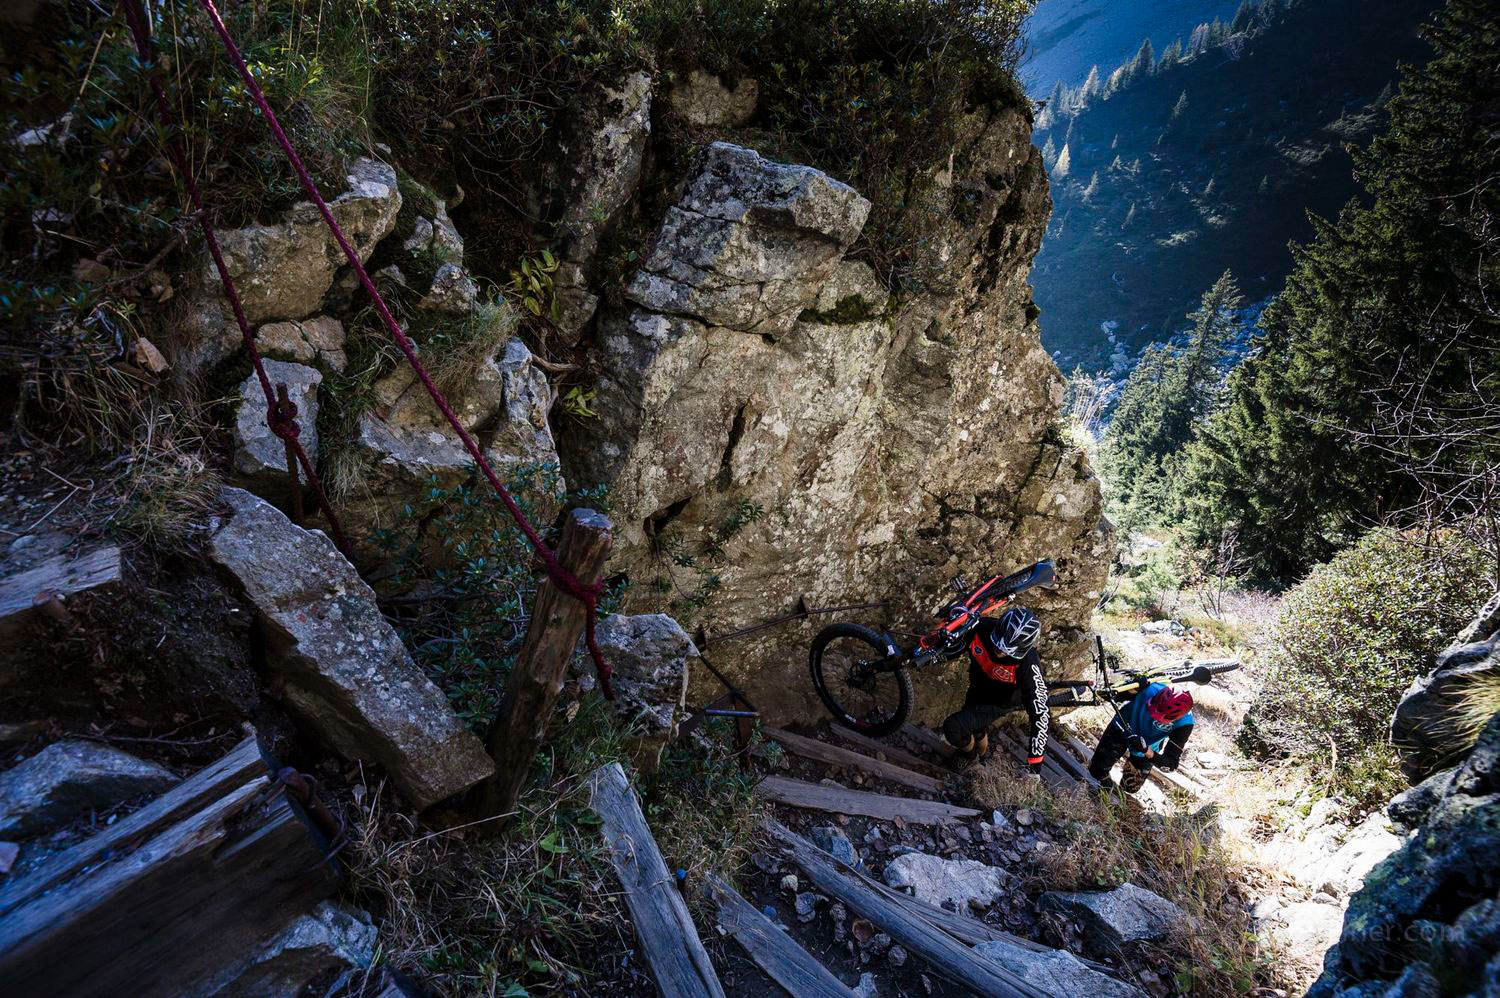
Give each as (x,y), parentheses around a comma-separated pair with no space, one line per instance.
(1354,634)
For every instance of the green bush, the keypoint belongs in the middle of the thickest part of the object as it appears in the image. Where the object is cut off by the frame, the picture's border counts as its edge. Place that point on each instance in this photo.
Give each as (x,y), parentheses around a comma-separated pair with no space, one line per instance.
(1354,634)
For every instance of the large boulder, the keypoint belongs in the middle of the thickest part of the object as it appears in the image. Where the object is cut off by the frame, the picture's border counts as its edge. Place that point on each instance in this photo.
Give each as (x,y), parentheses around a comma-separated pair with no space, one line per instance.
(68,779)
(1422,725)
(1056,972)
(404,443)
(329,940)
(1432,900)
(771,426)
(649,656)
(343,672)
(260,455)
(750,243)
(957,884)
(283,270)
(1110,919)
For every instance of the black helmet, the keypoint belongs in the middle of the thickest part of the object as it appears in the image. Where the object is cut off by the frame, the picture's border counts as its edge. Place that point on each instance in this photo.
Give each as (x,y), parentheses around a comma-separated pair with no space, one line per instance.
(1016,632)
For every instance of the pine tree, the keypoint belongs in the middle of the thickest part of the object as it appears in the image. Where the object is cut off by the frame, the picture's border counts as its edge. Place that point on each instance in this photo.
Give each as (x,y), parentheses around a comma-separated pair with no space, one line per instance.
(1092,188)
(1244,18)
(1140,66)
(1403,282)
(1049,153)
(1198,41)
(1091,87)
(1167,395)
(1170,56)
(1064,161)
(1178,109)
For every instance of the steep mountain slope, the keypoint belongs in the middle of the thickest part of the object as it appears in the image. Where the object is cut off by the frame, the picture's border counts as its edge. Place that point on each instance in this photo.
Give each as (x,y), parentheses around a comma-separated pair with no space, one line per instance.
(1065,38)
(1207,165)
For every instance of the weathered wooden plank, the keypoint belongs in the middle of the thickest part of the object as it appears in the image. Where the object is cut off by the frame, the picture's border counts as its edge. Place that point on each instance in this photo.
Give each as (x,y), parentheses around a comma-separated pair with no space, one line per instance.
(929,739)
(811,748)
(946,955)
(1058,752)
(673,951)
(893,753)
(557,622)
(775,952)
(841,800)
(243,763)
(61,576)
(961,927)
(163,918)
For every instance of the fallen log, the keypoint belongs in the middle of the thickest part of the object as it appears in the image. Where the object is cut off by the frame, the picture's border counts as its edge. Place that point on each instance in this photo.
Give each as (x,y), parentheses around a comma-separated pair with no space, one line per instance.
(775,952)
(163,901)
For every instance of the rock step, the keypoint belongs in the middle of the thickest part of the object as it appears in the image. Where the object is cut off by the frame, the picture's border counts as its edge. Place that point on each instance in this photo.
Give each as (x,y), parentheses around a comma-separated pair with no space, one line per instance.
(946,954)
(772,949)
(811,748)
(836,799)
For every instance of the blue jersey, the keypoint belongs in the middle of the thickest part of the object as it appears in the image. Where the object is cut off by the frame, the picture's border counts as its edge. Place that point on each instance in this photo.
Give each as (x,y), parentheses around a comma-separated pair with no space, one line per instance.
(1138,720)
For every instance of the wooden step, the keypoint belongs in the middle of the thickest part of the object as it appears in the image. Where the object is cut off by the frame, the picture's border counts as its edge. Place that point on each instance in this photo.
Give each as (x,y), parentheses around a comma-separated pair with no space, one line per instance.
(836,799)
(929,740)
(893,753)
(811,748)
(673,951)
(1059,752)
(1052,775)
(945,954)
(775,952)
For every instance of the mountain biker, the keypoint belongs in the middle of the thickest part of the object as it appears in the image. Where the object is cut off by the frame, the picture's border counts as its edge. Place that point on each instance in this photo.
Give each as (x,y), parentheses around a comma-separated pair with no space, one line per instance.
(1003,664)
(1150,730)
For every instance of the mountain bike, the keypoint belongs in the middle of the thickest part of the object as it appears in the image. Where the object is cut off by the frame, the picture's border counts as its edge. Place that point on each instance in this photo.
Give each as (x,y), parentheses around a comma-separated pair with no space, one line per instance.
(1088,693)
(863,676)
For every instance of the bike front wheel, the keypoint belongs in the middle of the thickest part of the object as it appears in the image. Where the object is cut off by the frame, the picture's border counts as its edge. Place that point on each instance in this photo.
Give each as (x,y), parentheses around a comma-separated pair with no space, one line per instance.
(872,699)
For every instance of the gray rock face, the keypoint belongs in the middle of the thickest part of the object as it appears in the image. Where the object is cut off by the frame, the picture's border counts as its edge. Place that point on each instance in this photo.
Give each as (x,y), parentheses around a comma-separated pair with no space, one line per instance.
(346,675)
(888,449)
(260,455)
(1432,903)
(961,884)
(649,655)
(69,778)
(1420,726)
(1110,919)
(283,270)
(703,100)
(1056,972)
(750,243)
(330,938)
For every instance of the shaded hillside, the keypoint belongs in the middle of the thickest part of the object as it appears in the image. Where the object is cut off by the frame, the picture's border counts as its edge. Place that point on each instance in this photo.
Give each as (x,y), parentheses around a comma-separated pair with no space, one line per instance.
(1064,38)
(1208,164)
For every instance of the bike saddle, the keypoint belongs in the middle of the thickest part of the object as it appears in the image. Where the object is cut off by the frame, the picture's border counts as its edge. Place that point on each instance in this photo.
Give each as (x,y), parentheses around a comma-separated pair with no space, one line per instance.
(1040,574)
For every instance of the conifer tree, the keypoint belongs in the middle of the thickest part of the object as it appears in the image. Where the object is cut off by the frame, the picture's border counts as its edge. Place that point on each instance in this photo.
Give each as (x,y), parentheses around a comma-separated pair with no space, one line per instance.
(1395,299)
(1244,18)
(1179,109)
(1170,56)
(1064,162)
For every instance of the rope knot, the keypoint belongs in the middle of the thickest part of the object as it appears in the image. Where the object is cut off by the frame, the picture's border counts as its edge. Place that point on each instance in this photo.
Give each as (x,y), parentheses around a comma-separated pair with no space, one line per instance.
(281,417)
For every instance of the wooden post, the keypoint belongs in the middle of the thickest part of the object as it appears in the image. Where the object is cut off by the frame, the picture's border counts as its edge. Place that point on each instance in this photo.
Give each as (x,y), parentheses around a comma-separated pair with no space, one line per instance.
(557,620)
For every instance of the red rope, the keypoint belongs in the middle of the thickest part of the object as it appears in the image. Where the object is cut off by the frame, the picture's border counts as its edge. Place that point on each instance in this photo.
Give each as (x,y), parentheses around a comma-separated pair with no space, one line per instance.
(566,581)
(281,420)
